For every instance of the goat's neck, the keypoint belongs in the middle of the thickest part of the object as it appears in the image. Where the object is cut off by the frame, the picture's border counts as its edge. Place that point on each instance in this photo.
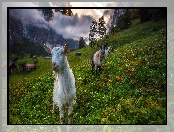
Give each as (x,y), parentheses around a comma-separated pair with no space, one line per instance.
(101,55)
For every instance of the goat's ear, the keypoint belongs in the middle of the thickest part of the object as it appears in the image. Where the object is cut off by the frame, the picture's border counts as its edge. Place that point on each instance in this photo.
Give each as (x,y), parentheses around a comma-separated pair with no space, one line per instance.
(66,47)
(47,48)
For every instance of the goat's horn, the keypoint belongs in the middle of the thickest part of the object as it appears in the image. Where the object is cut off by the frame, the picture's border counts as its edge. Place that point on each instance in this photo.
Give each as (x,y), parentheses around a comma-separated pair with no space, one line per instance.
(47,48)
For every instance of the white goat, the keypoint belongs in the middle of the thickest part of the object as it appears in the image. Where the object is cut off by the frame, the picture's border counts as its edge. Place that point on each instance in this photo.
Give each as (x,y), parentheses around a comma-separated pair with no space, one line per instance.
(64,92)
(98,58)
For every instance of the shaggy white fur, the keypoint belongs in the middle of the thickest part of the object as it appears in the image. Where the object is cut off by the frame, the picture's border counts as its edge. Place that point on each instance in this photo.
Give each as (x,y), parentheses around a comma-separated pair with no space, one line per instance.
(64,92)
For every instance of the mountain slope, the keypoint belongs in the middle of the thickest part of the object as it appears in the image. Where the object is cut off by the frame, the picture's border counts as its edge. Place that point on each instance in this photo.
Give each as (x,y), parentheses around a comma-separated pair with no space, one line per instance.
(131,89)
(132,83)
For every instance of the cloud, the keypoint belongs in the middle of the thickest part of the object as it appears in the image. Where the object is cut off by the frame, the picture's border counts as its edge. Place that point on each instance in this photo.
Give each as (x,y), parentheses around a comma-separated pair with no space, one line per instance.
(108,15)
(68,26)
(29,16)
(71,26)
(96,13)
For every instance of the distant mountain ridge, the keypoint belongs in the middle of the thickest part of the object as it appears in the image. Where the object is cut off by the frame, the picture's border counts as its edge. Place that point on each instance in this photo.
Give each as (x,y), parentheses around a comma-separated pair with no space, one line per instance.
(36,32)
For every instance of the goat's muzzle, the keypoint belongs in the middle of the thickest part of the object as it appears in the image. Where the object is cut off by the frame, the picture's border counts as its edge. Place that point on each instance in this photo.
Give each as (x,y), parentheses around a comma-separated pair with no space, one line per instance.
(103,52)
(54,66)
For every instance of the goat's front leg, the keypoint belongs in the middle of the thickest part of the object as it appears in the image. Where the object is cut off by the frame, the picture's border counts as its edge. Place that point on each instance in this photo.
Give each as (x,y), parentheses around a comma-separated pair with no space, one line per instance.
(96,69)
(70,114)
(92,65)
(62,111)
(92,68)
(100,68)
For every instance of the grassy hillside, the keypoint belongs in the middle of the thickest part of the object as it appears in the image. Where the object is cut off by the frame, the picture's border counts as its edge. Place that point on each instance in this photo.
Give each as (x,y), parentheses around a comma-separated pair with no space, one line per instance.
(42,67)
(131,89)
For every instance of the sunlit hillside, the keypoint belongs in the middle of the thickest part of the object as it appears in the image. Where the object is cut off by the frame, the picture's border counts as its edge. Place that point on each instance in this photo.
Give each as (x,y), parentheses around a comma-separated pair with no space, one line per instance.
(131,88)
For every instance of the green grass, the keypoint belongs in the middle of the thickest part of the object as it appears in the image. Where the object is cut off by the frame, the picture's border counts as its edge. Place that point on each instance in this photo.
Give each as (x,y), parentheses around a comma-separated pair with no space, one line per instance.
(42,67)
(130,90)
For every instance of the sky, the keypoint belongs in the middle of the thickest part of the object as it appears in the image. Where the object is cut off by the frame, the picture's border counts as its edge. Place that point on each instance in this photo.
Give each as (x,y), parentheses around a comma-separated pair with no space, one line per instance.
(75,26)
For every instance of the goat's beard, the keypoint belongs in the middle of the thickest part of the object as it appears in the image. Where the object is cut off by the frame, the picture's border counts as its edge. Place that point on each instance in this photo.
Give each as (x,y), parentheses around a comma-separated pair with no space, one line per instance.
(58,69)
(55,68)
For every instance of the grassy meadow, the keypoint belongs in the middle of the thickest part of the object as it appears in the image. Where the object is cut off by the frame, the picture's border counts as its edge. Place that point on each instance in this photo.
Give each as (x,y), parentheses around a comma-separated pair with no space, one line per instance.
(131,89)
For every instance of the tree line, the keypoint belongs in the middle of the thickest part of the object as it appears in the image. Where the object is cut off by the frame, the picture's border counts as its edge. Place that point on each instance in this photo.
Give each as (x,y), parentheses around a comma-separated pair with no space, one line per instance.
(26,47)
(124,21)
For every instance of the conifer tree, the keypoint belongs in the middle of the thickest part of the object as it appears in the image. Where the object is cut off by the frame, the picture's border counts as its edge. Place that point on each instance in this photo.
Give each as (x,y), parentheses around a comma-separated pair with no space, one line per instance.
(93,32)
(101,27)
(155,15)
(81,43)
(97,30)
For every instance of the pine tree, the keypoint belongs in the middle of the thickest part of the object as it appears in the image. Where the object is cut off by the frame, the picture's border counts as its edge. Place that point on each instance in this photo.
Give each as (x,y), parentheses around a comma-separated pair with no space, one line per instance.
(124,21)
(155,16)
(144,15)
(81,43)
(97,30)
(127,19)
(101,27)
(93,32)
